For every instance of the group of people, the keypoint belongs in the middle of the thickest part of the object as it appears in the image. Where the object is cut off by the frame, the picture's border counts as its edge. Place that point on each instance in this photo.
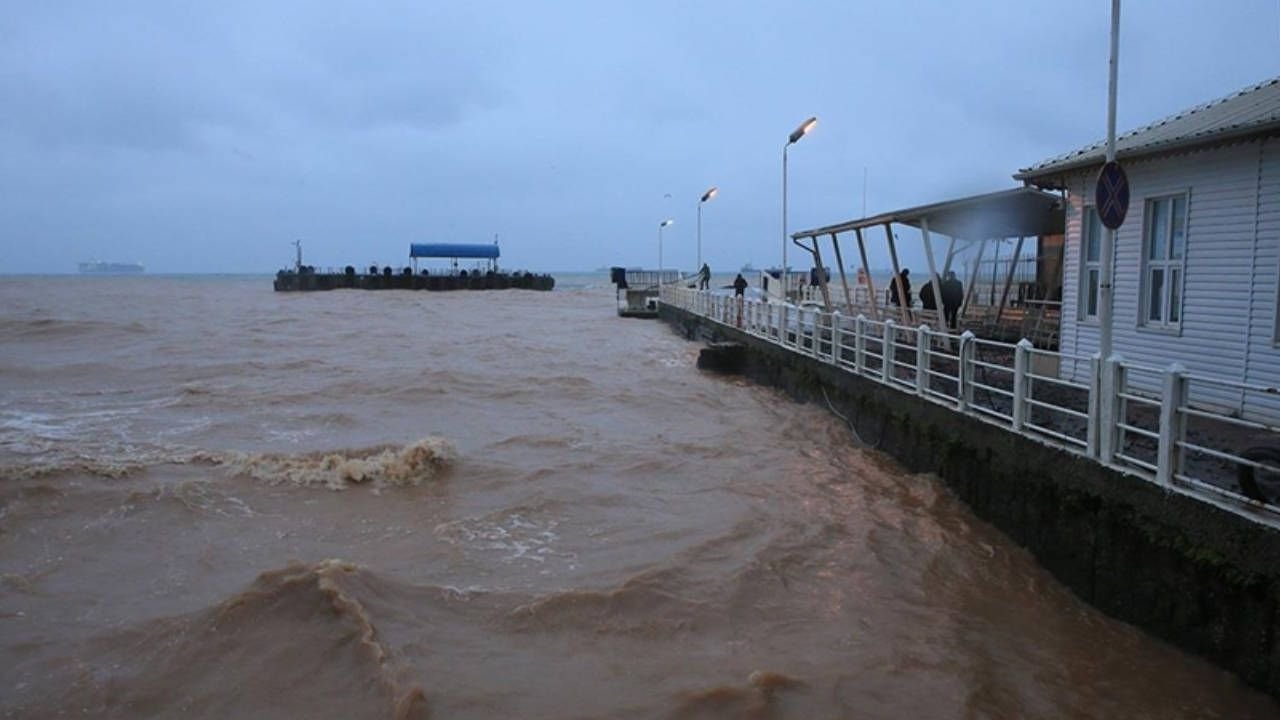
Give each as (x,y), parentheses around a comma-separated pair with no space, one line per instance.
(951,288)
(952,295)
(704,281)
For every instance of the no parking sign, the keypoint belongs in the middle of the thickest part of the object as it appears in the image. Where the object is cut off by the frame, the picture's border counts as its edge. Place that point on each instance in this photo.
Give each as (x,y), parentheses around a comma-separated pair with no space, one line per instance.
(1112,195)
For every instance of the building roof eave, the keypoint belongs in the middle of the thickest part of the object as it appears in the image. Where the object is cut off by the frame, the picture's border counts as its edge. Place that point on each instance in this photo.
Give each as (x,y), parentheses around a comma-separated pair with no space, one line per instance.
(1094,158)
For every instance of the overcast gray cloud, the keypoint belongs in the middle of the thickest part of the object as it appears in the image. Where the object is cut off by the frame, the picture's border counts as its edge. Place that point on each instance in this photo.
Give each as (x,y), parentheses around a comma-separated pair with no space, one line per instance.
(206,137)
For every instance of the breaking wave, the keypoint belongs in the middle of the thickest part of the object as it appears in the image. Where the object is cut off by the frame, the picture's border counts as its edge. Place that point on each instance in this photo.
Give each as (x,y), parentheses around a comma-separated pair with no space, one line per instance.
(299,642)
(754,700)
(45,328)
(105,465)
(648,605)
(378,466)
(382,465)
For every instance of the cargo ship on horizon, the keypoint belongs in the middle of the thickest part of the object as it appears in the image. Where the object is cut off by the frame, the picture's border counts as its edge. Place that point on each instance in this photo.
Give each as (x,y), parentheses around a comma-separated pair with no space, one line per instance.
(110,268)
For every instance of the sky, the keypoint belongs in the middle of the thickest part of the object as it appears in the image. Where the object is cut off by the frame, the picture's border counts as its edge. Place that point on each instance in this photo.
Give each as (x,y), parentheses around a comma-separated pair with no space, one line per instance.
(207,137)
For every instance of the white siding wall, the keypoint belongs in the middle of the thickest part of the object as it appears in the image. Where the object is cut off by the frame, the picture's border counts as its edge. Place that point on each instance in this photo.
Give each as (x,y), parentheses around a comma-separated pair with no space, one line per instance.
(1070,335)
(1223,210)
(1263,365)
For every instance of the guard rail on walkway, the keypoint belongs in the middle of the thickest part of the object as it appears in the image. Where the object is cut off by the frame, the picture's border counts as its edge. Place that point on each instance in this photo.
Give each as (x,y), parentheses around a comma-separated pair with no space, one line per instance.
(1170,439)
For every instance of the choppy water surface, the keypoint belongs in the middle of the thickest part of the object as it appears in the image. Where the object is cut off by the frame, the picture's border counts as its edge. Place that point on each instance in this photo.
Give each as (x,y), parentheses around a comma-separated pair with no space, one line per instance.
(217,501)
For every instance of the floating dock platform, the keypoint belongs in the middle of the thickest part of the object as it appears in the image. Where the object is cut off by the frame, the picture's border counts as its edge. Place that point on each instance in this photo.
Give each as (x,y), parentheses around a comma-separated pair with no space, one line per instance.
(307,279)
(304,278)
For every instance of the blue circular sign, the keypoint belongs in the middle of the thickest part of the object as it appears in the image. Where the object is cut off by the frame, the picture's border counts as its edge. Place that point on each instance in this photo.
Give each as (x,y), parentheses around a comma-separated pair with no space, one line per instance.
(1112,195)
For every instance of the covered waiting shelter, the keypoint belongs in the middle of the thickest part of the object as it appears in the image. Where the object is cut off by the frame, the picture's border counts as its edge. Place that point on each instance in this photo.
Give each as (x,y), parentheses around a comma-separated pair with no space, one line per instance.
(454,251)
(1019,212)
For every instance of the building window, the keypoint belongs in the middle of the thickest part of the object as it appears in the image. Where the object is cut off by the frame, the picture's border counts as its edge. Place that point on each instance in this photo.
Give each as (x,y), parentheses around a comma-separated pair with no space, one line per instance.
(1090,265)
(1164,244)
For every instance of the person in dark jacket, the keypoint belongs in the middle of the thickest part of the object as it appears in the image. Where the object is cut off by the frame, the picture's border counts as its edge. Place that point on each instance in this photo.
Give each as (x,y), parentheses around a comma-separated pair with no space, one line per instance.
(952,299)
(906,288)
(739,294)
(704,277)
(926,297)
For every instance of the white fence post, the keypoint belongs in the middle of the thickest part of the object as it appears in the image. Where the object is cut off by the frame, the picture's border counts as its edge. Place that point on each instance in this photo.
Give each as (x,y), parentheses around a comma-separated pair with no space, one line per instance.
(815,335)
(836,332)
(859,343)
(782,324)
(888,352)
(1092,436)
(1021,358)
(964,371)
(1171,424)
(1108,407)
(922,360)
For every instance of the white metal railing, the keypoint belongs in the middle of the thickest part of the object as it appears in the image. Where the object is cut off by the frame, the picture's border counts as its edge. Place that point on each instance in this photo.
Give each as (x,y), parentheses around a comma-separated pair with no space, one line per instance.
(1175,438)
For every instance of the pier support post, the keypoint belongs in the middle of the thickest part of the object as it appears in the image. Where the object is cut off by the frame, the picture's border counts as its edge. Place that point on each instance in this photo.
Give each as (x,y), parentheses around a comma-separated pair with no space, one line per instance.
(837,332)
(815,331)
(964,371)
(1092,436)
(922,360)
(1172,425)
(1021,359)
(888,352)
(859,344)
(1110,408)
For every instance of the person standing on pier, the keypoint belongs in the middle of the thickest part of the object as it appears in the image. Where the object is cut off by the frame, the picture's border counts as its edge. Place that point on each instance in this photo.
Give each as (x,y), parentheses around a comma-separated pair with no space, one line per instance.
(952,299)
(739,293)
(704,277)
(906,289)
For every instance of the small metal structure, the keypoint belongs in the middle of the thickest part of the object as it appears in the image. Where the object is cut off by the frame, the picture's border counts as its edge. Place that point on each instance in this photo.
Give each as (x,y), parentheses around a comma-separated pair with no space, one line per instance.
(636,290)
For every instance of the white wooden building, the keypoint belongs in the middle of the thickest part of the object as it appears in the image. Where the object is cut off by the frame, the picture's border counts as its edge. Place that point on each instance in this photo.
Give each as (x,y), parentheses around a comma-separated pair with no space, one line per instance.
(1197,261)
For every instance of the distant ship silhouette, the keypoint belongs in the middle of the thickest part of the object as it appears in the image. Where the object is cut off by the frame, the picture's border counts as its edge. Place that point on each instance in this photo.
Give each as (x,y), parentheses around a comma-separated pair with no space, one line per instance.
(110,268)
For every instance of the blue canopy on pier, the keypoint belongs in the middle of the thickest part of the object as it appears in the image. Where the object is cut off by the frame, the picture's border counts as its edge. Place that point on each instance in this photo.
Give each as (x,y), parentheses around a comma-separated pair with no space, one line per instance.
(454,250)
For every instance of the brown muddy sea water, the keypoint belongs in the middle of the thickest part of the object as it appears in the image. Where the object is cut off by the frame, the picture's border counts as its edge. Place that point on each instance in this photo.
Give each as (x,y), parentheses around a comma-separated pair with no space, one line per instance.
(221,502)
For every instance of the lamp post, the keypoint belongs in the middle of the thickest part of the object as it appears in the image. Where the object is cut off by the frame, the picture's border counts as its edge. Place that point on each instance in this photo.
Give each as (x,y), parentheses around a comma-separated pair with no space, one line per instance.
(796,134)
(1105,290)
(705,197)
(661,225)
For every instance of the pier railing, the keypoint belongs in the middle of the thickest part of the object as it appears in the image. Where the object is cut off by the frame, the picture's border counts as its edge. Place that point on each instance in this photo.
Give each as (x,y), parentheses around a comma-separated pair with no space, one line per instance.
(1179,435)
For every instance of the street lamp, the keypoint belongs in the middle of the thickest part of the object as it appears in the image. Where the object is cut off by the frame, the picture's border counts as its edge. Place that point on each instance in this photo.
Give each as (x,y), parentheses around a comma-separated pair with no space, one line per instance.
(796,134)
(661,225)
(705,197)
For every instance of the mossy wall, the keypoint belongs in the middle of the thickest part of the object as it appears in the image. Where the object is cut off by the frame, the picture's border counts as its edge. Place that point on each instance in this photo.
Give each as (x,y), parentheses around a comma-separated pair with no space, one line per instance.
(1198,576)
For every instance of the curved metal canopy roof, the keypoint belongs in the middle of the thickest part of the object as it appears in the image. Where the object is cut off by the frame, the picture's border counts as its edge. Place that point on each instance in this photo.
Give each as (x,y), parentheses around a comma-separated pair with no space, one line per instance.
(1018,212)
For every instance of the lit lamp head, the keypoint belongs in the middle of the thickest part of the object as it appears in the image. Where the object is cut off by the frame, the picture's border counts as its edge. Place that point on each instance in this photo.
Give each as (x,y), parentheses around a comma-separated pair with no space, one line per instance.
(803,130)
(709,194)
(665,223)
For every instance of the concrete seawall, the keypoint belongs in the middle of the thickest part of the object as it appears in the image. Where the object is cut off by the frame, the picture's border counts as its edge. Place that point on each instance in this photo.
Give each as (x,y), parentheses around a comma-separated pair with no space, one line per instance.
(1198,576)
